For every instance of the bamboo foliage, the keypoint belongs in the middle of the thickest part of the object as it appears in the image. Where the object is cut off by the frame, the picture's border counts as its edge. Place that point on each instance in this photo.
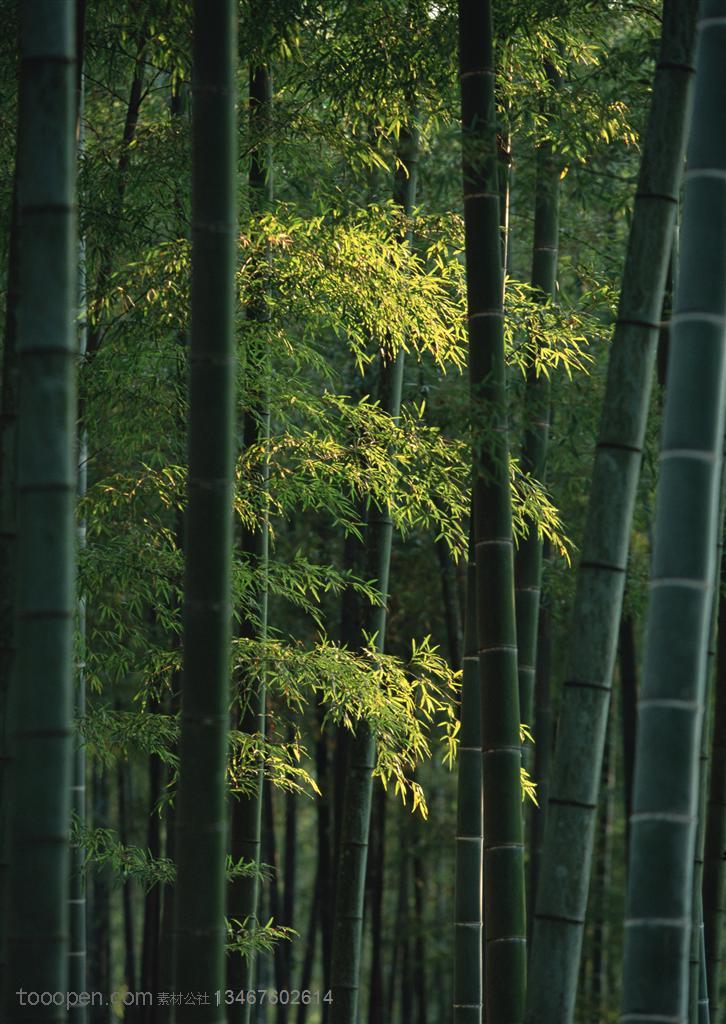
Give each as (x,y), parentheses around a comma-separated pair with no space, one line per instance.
(564,873)
(46,482)
(201,844)
(503,852)
(670,713)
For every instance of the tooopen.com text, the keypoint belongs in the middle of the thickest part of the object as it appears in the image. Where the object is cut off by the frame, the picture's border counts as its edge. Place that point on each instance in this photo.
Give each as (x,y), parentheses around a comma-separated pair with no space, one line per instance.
(70,1000)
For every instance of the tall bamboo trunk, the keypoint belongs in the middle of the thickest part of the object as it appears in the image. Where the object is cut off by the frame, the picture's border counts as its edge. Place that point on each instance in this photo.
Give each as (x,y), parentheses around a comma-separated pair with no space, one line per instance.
(697,963)
(99,964)
(306,971)
(528,560)
(376,878)
(670,713)
(505,173)
(567,854)
(406,979)
(123,787)
(628,703)
(597,1003)
(272,859)
(77,953)
(452,608)
(8,552)
(350,633)
(167,927)
(420,976)
(324,865)
(704,1009)
(714,866)
(178,108)
(128,138)
(38,924)
(529,556)
(468,849)
(289,877)
(668,295)
(151,937)
(355,814)
(201,801)
(543,730)
(504,897)
(247,808)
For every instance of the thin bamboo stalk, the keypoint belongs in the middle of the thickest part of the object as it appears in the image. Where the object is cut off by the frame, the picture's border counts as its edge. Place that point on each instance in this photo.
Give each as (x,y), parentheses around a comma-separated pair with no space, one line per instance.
(355,821)
(77,953)
(127,909)
(543,730)
(714,862)
(8,552)
(696,966)
(468,850)
(528,559)
(99,965)
(246,840)
(704,1010)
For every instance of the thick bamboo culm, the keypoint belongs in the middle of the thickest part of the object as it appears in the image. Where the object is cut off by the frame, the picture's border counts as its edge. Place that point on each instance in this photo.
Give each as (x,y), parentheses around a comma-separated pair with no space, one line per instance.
(42,688)
(201,842)
(670,711)
(565,866)
(504,953)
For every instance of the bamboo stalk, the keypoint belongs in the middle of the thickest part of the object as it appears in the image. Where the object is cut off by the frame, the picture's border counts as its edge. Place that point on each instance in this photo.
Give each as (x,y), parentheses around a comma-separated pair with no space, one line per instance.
(355,815)
(714,865)
(468,849)
(670,713)
(201,845)
(528,559)
(567,854)
(503,850)
(38,926)
(246,841)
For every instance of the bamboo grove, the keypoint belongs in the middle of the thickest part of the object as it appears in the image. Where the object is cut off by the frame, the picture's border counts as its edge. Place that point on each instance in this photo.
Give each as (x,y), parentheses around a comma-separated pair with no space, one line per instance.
(362,390)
